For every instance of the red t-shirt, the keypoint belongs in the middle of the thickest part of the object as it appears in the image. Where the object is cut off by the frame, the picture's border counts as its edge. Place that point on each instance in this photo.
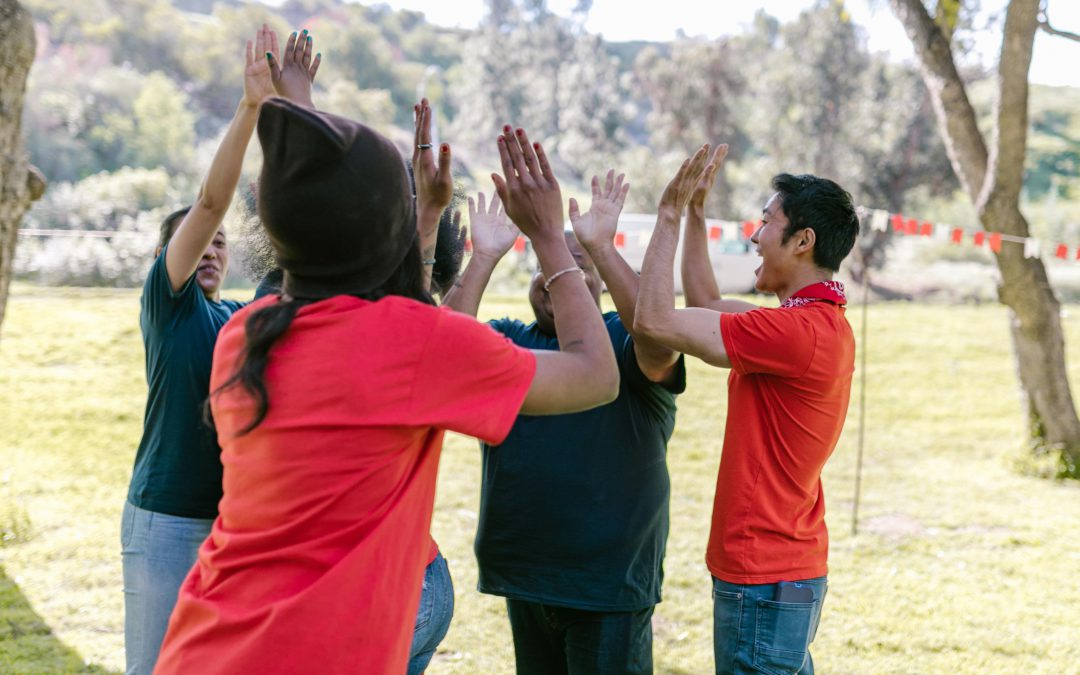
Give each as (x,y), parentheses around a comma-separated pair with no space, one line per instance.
(788,394)
(316,561)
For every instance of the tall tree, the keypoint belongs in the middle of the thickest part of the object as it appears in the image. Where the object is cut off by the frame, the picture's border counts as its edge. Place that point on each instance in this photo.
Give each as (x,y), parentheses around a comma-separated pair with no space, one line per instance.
(20,183)
(992,173)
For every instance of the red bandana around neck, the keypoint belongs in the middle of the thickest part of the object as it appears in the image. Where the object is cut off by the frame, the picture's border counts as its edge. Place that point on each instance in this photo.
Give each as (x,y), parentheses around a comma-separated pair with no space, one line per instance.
(824,291)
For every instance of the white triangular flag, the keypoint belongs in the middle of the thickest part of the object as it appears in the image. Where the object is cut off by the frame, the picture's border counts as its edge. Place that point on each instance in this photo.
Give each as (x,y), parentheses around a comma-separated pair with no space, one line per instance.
(1031,248)
(942,232)
(879,220)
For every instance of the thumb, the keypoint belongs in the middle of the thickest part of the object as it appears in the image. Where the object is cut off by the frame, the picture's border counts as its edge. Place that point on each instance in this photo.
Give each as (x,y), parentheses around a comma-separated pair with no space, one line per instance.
(575,210)
(500,186)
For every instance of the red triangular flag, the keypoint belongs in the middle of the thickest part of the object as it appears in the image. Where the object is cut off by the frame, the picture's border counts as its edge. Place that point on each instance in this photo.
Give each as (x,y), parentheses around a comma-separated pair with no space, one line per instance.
(519,244)
(748,229)
(714,233)
(957,235)
(995,242)
(620,240)
(979,238)
(912,227)
(926,230)
(1062,251)
(898,223)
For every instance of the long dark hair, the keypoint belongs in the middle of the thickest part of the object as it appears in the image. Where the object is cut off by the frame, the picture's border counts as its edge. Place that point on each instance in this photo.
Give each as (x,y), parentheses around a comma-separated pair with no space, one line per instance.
(263,328)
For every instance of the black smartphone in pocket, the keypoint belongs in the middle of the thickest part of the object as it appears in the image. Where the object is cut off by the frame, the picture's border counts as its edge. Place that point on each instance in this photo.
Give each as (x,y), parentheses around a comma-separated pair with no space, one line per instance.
(793,591)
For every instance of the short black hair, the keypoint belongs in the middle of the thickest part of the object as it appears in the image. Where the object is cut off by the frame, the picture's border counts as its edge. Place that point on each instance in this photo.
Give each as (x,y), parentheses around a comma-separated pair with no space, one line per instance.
(824,207)
(169,225)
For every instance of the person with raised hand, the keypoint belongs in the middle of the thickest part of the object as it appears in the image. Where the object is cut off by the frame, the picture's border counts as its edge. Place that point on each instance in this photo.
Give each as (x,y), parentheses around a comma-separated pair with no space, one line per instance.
(176,481)
(332,398)
(434,184)
(788,393)
(574,508)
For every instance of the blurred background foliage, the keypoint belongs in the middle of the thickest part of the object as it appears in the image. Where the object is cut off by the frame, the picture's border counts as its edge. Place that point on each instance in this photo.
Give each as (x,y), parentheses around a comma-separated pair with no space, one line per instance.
(128,98)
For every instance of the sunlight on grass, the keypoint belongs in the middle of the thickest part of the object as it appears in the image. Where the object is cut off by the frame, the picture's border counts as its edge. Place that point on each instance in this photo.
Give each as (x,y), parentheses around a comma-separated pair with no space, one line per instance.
(961,564)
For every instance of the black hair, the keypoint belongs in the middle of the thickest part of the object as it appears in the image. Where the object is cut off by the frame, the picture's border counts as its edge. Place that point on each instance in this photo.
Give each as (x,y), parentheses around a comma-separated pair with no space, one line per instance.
(265,325)
(169,225)
(824,207)
(449,245)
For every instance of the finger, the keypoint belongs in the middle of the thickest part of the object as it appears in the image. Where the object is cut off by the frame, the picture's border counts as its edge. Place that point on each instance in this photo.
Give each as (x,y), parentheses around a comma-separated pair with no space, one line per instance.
(618,186)
(425,121)
(416,133)
(315,66)
(260,41)
(527,152)
(622,194)
(481,197)
(472,207)
(290,47)
(275,70)
(513,152)
(609,183)
(309,46)
(496,205)
(249,56)
(575,210)
(500,185)
(298,47)
(507,163)
(545,166)
(444,162)
(595,187)
(273,42)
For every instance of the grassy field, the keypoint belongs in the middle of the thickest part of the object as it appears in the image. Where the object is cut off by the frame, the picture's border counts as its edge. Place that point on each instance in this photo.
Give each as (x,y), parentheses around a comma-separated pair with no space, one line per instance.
(961,564)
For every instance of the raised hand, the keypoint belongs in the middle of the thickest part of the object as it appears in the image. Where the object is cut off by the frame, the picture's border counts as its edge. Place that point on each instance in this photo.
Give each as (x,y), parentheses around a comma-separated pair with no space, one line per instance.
(292,77)
(597,226)
(492,232)
(701,190)
(434,183)
(528,187)
(257,85)
(678,191)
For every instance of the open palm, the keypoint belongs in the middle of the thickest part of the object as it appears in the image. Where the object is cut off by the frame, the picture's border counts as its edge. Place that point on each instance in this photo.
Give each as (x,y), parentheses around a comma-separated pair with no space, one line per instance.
(492,232)
(257,84)
(598,225)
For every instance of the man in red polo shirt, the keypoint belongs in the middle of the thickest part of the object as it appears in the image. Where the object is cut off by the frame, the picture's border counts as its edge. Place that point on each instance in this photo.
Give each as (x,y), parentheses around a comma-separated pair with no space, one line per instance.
(788,392)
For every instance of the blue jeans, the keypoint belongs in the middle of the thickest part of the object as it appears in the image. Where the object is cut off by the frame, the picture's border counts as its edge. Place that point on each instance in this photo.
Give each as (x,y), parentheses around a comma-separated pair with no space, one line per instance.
(433,616)
(158,551)
(549,640)
(752,633)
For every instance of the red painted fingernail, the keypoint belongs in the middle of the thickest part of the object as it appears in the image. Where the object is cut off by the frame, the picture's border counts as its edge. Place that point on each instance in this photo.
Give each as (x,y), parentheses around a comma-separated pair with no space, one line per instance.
(445,148)
(506,128)
(501,140)
(536,146)
(520,132)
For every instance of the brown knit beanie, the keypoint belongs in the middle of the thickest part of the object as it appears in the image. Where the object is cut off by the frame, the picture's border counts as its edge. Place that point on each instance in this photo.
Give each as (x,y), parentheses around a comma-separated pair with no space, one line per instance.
(335,199)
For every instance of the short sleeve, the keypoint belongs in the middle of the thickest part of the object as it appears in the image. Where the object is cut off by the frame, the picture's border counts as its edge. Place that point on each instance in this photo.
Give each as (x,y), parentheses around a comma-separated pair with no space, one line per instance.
(471,379)
(768,341)
(159,302)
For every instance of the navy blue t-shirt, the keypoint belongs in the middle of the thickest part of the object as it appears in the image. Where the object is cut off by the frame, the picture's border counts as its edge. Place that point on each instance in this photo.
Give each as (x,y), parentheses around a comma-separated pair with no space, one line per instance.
(178,464)
(574,508)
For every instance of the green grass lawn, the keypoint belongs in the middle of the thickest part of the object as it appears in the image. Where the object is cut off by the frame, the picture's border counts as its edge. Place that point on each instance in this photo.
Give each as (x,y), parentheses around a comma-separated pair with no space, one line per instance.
(961,564)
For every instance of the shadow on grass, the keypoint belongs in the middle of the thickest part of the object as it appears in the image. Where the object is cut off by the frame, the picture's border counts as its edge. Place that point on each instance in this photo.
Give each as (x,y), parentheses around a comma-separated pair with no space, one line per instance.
(27,644)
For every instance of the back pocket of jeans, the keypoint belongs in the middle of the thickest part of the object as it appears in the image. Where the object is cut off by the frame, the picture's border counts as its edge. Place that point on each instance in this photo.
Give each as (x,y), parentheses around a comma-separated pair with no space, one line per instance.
(781,636)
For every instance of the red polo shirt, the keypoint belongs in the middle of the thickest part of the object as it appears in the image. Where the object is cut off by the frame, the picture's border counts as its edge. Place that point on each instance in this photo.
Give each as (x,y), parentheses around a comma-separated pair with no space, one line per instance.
(788,392)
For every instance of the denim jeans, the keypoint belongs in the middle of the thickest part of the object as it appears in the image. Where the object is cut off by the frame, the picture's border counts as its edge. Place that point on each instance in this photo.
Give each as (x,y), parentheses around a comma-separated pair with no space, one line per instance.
(158,551)
(752,633)
(550,640)
(433,616)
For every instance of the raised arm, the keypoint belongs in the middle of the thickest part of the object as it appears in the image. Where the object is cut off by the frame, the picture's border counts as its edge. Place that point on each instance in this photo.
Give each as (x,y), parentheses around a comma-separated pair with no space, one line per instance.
(693,331)
(195,232)
(434,185)
(699,281)
(583,373)
(596,229)
(492,237)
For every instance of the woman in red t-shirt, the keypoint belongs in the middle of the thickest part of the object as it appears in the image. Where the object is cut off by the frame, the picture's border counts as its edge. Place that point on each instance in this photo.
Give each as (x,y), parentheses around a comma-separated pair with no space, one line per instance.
(331,401)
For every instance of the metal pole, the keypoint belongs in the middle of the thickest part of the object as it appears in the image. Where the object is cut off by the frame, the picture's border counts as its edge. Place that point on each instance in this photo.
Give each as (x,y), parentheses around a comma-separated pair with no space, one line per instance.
(862,405)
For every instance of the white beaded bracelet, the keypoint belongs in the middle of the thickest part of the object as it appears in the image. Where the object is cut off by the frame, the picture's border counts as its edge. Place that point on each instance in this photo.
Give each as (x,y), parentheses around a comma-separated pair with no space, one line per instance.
(550,280)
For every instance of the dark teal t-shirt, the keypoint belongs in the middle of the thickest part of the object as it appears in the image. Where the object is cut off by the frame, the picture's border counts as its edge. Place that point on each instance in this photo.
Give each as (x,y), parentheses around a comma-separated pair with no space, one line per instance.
(574,508)
(178,465)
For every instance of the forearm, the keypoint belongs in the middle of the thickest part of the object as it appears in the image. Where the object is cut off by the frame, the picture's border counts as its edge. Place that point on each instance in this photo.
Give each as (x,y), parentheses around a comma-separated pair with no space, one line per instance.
(699,281)
(427,223)
(217,189)
(464,296)
(656,290)
(623,284)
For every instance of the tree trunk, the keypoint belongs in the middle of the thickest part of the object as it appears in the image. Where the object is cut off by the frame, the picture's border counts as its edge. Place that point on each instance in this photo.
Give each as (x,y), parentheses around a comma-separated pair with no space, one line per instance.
(993,178)
(20,184)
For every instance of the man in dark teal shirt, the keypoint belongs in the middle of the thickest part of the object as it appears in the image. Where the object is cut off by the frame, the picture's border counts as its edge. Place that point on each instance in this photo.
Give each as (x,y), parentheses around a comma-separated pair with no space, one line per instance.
(574,508)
